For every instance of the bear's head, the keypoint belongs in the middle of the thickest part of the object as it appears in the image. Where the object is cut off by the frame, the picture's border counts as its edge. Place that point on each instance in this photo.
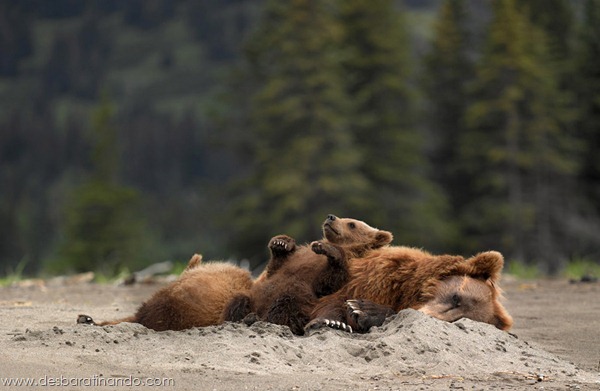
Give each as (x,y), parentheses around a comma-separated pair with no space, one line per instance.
(346,231)
(473,293)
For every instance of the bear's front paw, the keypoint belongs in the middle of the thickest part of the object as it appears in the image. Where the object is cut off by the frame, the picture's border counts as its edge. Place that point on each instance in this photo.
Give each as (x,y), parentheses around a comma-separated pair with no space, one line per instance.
(326,249)
(282,244)
(319,247)
(320,323)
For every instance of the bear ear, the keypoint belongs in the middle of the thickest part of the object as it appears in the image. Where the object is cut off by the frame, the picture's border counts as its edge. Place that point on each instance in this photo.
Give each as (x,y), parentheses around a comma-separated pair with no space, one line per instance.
(487,265)
(382,238)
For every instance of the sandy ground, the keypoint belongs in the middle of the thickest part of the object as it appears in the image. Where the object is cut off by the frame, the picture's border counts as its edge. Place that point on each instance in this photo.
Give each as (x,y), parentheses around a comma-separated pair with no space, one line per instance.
(554,345)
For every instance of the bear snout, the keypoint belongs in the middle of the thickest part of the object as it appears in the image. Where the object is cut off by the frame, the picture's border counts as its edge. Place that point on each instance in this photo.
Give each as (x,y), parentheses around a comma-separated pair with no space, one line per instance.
(331,218)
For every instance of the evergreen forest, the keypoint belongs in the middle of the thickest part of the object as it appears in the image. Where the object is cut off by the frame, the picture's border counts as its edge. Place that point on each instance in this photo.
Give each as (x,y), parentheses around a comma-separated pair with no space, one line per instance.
(138,131)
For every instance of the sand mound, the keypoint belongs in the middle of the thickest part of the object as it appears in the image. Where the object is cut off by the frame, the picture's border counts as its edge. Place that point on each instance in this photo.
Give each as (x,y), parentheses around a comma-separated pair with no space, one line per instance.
(409,346)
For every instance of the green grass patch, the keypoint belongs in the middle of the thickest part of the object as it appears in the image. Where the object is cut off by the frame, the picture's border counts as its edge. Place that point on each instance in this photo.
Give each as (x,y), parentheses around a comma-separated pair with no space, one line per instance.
(13,275)
(522,270)
(102,277)
(178,267)
(581,267)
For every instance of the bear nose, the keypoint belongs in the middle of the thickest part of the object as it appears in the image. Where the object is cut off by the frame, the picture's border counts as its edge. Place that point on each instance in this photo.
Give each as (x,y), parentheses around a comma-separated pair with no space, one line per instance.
(331,217)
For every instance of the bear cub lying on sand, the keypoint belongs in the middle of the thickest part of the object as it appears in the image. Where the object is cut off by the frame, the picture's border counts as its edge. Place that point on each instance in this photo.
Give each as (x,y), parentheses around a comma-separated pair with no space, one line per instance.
(196,299)
(297,276)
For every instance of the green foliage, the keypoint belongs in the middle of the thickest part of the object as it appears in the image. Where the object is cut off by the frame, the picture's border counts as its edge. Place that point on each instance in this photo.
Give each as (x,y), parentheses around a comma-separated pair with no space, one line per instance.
(111,276)
(377,72)
(102,230)
(304,163)
(583,267)
(522,270)
(331,125)
(515,152)
(588,93)
(556,19)
(105,152)
(448,72)
(13,275)
(178,267)
(323,114)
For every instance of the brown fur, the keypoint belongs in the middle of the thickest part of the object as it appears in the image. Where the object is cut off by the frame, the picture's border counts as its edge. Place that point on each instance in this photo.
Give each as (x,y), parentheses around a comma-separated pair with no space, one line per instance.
(196,299)
(394,278)
(297,276)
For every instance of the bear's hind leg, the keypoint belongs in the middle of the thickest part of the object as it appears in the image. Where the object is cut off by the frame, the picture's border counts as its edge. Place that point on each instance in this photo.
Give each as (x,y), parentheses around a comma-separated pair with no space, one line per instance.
(288,310)
(238,308)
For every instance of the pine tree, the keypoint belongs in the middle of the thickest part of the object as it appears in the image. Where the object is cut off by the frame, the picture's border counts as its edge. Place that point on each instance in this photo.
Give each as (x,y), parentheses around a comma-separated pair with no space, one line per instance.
(588,92)
(102,229)
(556,19)
(448,73)
(516,153)
(377,69)
(302,159)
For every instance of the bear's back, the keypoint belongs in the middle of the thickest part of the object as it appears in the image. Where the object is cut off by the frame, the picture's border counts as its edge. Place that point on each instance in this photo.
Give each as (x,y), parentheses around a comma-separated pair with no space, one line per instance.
(196,299)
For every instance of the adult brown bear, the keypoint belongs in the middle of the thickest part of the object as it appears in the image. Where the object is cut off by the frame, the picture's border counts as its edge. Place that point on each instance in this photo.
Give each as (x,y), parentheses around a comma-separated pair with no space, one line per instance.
(390,279)
(297,276)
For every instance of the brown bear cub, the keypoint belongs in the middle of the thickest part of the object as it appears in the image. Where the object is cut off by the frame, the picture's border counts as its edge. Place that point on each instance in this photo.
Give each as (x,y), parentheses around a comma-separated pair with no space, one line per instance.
(297,276)
(388,280)
(196,299)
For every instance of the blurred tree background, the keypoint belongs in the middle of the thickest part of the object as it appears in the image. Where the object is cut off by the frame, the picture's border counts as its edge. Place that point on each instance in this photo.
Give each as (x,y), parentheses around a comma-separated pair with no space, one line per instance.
(137,131)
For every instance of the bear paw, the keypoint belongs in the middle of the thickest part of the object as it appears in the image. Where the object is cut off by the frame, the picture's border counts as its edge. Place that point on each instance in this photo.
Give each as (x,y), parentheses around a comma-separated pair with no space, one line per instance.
(85,319)
(282,244)
(319,323)
(319,247)
(250,319)
(365,314)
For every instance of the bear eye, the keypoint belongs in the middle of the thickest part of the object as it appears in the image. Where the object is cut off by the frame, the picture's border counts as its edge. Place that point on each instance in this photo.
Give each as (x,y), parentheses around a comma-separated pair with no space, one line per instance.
(455,300)
(352,225)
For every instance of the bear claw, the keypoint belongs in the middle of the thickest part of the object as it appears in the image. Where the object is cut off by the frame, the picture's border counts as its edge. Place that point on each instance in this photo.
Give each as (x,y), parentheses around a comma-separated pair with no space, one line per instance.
(353,304)
(282,244)
(355,307)
(336,324)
